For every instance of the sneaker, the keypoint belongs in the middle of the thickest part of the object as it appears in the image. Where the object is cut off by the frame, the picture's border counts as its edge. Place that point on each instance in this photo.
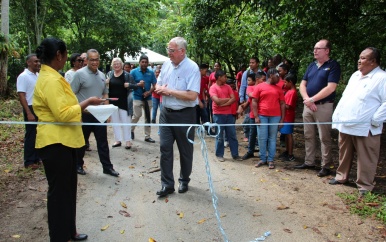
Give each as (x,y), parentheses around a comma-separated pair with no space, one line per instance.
(284,155)
(257,148)
(221,159)
(237,158)
(226,144)
(290,158)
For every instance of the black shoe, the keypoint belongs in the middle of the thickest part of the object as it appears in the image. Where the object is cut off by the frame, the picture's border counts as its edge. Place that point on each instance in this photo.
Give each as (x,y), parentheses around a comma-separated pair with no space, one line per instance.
(80,171)
(153,121)
(183,188)
(132,135)
(304,166)
(117,145)
(79,237)
(110,171)
(324,172)
(165,191)
(150,140)
(334,182)
(247,156)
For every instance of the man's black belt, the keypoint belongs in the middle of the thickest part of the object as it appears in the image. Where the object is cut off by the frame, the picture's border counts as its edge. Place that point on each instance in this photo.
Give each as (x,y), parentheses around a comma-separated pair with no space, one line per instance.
(179,110)
(323,102)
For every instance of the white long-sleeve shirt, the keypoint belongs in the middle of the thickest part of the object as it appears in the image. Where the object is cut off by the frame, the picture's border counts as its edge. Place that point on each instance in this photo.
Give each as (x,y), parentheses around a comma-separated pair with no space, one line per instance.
(363,104)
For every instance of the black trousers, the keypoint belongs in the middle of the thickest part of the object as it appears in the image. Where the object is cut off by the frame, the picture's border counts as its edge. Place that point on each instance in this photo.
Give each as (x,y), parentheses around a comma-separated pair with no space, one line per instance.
(30,153)
(100,133)
(170,134)
(60,167)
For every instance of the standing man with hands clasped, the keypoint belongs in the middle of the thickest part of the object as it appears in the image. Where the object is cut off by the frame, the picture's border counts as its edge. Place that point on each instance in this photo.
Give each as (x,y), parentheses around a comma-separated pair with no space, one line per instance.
(359,117)
(318,91)
(179,85)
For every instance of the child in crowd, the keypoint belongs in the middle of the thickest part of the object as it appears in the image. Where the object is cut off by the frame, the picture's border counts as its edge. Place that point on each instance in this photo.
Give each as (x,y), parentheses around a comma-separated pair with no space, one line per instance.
(202,113)
(283,71)
(253,81)
(232,84)
(290,99)
(268,109)
(223,97)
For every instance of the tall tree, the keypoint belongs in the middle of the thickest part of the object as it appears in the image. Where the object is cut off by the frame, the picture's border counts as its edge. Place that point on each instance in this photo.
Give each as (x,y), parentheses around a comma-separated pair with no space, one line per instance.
(4,46)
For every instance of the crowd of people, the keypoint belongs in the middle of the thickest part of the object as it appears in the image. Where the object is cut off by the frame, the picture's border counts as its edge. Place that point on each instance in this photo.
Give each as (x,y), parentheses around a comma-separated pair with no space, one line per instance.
(185,92)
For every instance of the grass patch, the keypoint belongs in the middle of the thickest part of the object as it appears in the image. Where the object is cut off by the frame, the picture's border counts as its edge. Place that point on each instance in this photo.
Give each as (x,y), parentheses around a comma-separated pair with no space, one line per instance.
(368,206)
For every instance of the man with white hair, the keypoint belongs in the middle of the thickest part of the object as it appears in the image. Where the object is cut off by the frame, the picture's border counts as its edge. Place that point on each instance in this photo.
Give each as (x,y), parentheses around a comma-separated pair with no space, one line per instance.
(179,85)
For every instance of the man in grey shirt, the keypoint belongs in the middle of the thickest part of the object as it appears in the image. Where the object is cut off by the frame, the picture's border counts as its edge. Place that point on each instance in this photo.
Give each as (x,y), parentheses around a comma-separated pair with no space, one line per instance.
(89,82)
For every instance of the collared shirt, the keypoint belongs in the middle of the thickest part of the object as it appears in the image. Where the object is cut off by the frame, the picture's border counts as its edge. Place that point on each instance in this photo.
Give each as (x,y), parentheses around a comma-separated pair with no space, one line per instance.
(183,77)
(26,82)
(318,77)
(363,101)
(148,77)
(87,84)
(54,101)
(244,84)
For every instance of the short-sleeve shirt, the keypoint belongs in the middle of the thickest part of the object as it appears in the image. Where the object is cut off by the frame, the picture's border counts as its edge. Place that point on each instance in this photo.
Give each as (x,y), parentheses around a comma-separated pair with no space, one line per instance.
(318,78)
(87,83)
(223,91)
(290,99)
(69,75)
(269,97)
(26,82)
(182,77)
(117,90)
(148,77)
(250,90)
(204,86)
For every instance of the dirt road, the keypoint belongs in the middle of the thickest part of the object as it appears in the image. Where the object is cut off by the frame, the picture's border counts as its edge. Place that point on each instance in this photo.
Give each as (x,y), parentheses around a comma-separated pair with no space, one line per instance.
(293,205)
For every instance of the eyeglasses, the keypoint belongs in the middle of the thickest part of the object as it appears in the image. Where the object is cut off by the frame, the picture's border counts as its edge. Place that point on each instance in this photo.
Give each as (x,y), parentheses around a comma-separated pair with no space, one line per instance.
(93,60)
(79,60)
(172,50)
(320,49)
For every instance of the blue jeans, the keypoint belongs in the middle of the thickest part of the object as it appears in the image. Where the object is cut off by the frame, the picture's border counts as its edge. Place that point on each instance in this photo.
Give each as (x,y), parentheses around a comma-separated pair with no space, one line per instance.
(231,134)
(267,137)
(156,104)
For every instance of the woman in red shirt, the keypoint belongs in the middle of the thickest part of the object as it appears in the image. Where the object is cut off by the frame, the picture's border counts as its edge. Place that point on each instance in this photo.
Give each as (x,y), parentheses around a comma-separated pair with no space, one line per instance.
(268,107)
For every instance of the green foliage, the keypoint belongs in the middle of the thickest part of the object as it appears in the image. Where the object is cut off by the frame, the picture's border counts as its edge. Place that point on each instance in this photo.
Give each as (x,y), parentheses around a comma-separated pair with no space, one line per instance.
(15,67)
(370,205)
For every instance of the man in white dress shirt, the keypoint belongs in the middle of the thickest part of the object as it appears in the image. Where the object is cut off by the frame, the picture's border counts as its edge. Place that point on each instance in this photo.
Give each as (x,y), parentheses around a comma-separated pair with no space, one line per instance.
(359,118)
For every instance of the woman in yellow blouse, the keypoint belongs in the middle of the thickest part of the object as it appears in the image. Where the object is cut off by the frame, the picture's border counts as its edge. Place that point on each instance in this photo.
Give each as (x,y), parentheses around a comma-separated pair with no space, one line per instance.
(54,101)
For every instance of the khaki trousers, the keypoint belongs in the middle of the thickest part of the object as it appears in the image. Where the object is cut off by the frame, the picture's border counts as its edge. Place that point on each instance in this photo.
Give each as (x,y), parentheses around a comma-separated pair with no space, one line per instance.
(323,114)
(367,149)
(138,105)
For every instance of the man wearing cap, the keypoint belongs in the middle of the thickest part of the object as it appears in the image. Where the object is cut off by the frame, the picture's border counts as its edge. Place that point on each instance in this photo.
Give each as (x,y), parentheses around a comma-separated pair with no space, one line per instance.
(142,96)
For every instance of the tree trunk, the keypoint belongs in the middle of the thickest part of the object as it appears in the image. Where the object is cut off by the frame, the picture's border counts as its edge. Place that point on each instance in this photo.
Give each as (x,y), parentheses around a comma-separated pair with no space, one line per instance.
(4,54)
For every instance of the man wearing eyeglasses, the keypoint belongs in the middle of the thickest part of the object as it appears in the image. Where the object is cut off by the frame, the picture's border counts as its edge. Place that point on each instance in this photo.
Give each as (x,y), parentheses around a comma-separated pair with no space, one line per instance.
(90,82)
(318,91)
(179,85)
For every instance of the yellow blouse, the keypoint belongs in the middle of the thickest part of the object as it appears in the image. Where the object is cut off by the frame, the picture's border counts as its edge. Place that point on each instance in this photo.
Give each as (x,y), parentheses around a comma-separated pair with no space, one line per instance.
(54,101)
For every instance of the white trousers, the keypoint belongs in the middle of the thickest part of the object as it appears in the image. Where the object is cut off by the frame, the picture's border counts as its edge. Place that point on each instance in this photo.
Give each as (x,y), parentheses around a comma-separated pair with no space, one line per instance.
(120,116)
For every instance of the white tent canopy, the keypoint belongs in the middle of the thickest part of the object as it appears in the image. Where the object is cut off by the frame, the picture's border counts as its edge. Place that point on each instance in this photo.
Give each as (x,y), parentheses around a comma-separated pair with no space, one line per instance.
(154,57)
